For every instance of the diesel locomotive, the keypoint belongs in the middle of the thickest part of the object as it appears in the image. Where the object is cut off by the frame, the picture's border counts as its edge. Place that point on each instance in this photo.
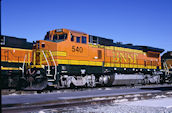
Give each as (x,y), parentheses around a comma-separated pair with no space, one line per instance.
(14,52)
(167,65)
(68,58)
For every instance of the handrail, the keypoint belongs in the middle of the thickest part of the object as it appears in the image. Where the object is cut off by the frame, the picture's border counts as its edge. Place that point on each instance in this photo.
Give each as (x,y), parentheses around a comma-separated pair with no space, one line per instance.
(54,64)
(47,62)
(23,65)
(166,68)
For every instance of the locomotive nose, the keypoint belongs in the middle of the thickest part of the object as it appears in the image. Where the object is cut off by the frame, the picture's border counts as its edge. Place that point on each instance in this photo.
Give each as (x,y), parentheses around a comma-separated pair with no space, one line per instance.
(34,79)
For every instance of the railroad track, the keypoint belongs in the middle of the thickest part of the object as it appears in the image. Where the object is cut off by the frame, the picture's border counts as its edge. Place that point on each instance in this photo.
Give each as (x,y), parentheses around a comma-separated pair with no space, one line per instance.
(18,92)
(20,103)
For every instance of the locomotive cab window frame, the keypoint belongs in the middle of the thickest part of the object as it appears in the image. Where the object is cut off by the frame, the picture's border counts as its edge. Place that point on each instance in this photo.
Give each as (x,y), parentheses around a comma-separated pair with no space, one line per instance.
(62,37)
(78,39)
(55,37)
(59,37)
(72,38)
(84,39)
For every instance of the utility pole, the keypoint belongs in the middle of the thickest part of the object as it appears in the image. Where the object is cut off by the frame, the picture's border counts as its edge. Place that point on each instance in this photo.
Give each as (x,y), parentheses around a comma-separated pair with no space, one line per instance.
(0,55)
(0,18)
(0,26)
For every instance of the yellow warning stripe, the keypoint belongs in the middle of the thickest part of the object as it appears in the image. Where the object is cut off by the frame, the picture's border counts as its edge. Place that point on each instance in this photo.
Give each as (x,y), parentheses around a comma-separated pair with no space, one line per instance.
(59,53)
(14,61)
(92,63)
(76,62)
(37,66)
(128,66)
(10,68)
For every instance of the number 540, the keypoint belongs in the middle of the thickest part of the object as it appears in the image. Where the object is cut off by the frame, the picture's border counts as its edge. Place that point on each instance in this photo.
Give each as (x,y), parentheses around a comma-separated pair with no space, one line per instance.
(77,49)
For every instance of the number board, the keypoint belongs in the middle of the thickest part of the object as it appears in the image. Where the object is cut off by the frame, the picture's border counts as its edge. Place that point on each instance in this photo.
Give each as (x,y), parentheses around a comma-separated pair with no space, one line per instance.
(77,49)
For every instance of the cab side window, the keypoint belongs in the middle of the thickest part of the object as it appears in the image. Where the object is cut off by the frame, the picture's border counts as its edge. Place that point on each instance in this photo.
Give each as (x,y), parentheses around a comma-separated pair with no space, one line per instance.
(55,37)
(78,39)
(84,40)
(72,38)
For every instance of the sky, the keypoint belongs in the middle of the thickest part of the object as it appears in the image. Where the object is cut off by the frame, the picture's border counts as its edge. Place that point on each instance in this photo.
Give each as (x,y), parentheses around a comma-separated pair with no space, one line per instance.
(140,22)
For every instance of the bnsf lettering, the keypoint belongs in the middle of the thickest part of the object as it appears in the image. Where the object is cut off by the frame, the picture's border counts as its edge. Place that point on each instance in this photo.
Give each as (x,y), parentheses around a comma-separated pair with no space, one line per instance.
(77,49)
(126,57)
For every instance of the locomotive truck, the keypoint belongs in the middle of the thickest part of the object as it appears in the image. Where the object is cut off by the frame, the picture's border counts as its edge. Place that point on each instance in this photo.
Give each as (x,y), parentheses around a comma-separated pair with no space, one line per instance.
(68,58)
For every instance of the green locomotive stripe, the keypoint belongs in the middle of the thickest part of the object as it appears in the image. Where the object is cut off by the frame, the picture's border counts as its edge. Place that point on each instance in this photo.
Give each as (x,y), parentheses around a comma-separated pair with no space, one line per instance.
(11,64)
(76,69)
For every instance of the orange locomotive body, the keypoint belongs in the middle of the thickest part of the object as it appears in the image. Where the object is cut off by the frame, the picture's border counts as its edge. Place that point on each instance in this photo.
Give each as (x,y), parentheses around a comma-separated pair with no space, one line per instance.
(15,52)
(75,49)
(72,58)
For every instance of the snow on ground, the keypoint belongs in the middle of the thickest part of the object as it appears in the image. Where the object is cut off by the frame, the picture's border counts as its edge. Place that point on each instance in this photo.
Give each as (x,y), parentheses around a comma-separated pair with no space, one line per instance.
(160,102)
(158,105)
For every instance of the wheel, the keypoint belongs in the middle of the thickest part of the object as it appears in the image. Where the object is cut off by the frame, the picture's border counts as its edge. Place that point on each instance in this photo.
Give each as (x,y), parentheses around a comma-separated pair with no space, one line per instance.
(22,84)
(110,80)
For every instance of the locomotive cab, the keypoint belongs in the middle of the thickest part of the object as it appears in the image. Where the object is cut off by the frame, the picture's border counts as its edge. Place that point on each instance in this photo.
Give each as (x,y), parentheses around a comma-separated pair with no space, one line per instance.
(59,48)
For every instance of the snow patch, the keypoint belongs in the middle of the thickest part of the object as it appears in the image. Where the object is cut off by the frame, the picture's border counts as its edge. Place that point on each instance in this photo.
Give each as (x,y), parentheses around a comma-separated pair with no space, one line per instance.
(158,102)
(120,97)
(99,89)
(41,112)
(99,98)
(160,96)
(169,93)
(129,96)
(122,100)
(137,95)
(169,106)
(35,93)
(149,94)
(111,98)
(13,94)
(135,99)
(108,89)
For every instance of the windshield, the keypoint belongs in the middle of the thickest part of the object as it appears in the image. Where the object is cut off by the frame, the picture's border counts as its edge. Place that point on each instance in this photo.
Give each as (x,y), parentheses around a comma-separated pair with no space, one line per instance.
(56,37)
(61,37)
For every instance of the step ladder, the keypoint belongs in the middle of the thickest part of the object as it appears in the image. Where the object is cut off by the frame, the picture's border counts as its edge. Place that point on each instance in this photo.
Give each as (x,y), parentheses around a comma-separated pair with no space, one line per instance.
(50,77)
